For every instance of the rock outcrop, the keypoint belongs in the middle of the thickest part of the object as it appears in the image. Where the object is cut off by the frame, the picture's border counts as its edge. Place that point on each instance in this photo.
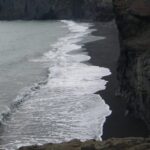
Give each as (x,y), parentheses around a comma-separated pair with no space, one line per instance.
(133,20)
(111,144)
(56,9)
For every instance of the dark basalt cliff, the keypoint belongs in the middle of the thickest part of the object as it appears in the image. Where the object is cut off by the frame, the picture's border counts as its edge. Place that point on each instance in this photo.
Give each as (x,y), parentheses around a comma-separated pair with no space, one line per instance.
(56,9)
(133,20)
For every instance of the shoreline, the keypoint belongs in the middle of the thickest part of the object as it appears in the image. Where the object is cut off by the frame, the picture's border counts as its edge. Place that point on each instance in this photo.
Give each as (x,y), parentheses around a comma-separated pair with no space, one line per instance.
(105,53)
(116,125)
(81,32)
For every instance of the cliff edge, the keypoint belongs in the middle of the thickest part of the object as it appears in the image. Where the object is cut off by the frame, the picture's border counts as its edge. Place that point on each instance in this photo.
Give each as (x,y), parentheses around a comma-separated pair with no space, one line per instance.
(111,144)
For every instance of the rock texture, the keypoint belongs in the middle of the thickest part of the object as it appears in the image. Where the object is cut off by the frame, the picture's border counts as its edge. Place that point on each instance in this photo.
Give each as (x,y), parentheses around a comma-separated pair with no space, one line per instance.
(112,144)
(133,20)
(56,9)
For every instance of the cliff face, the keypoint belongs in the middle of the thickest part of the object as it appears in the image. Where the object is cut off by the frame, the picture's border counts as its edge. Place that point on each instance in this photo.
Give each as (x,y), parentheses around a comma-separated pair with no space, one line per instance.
(56,9)
(133,20)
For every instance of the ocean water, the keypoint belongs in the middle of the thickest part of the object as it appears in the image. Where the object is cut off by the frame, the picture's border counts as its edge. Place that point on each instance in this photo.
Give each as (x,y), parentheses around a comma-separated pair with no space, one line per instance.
(47,87)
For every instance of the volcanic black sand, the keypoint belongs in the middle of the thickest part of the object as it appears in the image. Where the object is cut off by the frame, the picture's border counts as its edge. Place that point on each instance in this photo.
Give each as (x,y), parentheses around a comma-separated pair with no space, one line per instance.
(105,53)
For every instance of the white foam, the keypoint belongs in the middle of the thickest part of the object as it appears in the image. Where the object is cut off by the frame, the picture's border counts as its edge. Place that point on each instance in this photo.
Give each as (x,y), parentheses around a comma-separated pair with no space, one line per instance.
(78,78)
(66,107)
(74,27)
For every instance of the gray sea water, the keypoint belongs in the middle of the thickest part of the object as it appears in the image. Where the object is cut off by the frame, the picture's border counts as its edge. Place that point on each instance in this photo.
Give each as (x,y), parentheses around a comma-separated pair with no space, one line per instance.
(46,89)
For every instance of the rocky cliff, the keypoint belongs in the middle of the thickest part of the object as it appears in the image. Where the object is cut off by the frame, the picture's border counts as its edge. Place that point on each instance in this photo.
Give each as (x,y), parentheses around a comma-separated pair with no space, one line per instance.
(111,144)
(56,9)
(133,20)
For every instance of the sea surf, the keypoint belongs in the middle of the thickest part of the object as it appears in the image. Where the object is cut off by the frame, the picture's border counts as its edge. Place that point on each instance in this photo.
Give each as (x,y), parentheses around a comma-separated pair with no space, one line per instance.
(57,101)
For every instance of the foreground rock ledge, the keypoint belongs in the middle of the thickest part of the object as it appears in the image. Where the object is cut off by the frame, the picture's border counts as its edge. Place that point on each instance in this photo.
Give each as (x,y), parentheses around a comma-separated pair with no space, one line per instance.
(111,144)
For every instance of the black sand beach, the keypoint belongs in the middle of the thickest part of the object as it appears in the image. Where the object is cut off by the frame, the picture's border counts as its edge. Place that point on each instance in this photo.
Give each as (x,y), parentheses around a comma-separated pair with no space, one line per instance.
(105,53)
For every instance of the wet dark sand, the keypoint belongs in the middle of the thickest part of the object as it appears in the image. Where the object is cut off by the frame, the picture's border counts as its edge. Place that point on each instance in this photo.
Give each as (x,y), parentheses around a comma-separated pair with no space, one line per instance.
(105,53)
